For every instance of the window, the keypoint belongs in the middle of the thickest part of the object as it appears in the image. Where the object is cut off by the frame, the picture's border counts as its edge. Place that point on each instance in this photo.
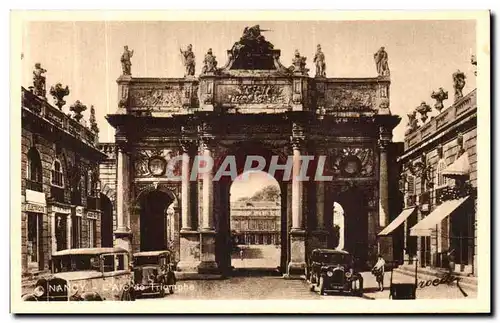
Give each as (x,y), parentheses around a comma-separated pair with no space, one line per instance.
(120,262)
(92,233)
(440,179)
(411,184)
(56,177)
(108,263)
(34,171)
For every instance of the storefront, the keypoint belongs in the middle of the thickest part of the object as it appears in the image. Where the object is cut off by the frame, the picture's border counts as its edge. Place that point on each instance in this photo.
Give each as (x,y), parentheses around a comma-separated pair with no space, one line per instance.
(34,236)
(60,227)
(76,227)
(92,218)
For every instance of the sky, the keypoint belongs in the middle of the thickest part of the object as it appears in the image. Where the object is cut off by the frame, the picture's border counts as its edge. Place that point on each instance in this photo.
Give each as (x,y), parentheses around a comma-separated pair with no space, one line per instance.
(86,55)
(249,183)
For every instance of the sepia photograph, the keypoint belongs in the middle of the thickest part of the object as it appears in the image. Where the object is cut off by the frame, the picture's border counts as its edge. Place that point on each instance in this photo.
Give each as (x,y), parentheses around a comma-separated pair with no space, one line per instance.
(175,162)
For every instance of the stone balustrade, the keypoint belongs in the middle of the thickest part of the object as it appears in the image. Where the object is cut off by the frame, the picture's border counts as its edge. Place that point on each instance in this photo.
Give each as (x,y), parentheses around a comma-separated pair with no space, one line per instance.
(447,116)
(56,117)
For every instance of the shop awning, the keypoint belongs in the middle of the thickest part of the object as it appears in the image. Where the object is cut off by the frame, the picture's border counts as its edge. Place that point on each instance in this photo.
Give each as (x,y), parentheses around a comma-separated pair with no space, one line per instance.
(397,221)
(460,167)
(425,226)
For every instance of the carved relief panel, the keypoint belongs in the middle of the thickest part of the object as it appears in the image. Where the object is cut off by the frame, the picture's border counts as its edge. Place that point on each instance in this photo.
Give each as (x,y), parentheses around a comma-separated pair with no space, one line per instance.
(159,101)
(278,95)
(351,98)
(352,161)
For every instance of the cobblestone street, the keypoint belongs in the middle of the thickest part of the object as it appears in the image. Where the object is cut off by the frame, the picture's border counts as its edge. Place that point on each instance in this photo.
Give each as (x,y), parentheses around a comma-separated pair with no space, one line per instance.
(243,288)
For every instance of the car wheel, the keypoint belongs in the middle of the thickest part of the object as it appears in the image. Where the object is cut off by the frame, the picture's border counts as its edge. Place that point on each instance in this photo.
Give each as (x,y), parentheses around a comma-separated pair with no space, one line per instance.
(322,285)
(29,298)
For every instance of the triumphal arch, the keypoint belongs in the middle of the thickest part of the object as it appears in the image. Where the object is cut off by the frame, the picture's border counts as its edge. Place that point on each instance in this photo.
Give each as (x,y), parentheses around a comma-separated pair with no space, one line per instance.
(252,106)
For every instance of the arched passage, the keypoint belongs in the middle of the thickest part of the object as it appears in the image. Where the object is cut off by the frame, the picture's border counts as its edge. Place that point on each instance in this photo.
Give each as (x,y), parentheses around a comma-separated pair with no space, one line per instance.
(355,216)
(255,221)
(338,226)
(222,199)
(106,222)
(153,220)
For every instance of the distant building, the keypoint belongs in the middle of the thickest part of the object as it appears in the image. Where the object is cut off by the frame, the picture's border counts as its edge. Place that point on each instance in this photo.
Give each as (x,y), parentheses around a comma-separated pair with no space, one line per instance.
(256,222)
(60,186)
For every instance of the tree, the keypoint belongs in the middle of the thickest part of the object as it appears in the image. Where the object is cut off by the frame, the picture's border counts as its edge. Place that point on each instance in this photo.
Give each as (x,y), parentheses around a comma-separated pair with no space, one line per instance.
(268,193)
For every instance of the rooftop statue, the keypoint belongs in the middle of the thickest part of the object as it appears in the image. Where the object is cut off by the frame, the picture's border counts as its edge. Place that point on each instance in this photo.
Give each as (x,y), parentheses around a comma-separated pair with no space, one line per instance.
(125,60)
(188,59)
(319,60)
(382,62)
(298,64)
(210,63)
(39,80)
(252,51)
(458,84)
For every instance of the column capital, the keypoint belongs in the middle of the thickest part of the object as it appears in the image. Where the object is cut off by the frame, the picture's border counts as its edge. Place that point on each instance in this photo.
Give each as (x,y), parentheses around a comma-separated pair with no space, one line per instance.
(297,142)
(188,145)
(207,142)
(383,144)
(123,148)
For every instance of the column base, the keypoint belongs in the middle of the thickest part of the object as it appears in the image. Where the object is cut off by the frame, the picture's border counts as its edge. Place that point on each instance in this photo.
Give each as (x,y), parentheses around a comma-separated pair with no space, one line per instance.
(208,265)
(297,265)
(123,239)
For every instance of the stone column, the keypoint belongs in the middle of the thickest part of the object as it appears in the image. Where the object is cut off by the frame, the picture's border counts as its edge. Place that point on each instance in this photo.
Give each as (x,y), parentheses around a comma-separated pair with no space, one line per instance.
(385,243)
(320,235)
(123,234)
(297,263)
(207,230)
(189,259)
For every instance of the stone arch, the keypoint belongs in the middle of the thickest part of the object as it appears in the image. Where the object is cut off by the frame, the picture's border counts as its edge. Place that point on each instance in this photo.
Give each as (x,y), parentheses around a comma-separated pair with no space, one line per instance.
(137,216)
(110,193)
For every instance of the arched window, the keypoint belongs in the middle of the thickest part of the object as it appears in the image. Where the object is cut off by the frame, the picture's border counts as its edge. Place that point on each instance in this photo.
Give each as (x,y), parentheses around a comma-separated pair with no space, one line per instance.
(56,176)
(34,171)
(34,166)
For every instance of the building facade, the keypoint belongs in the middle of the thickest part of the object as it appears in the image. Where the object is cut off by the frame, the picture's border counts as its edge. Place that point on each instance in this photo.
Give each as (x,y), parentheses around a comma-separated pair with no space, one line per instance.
(60,186)
(253,106)
(439,181)
(256,222)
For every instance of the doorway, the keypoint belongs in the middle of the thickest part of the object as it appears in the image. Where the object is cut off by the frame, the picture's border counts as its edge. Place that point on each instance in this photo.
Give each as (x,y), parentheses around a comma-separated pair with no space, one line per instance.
(153,220)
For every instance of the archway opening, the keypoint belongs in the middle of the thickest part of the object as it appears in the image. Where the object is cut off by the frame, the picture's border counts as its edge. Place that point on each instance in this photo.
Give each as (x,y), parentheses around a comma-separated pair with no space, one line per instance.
(256,221)
(153,220)
(338,227)
(106,222)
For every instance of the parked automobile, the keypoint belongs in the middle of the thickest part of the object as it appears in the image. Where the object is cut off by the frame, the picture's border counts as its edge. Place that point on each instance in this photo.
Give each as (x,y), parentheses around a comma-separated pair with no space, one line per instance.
(332,270)
(154,273)
(86,274)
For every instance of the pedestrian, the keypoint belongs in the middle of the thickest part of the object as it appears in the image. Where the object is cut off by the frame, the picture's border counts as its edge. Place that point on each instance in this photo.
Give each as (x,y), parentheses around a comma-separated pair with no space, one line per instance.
(241,254)
(378,271)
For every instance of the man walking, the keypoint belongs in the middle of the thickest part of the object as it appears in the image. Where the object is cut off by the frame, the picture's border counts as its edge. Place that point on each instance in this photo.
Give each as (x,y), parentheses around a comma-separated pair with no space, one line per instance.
(378,271)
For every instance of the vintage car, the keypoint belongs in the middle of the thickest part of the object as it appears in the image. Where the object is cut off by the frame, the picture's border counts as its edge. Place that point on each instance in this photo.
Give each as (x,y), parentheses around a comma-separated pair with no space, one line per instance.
(154,273)
(332,270)
(86,274)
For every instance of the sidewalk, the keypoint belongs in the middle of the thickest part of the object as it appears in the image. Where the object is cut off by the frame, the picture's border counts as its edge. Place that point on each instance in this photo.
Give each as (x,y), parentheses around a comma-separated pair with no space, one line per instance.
(441,291)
